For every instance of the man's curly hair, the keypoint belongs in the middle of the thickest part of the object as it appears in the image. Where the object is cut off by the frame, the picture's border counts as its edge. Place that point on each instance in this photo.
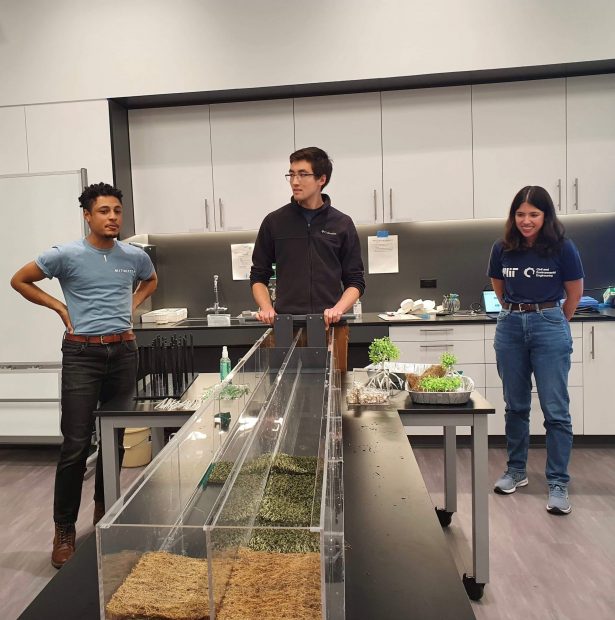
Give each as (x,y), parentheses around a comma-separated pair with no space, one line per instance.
(92,192)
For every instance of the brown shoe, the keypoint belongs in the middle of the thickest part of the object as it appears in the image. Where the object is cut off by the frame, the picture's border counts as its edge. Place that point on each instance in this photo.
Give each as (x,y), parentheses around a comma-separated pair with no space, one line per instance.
(63,545)
(99,512)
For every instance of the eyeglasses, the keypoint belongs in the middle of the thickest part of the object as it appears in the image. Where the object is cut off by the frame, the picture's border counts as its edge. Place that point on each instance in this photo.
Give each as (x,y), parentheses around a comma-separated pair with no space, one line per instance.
(291,176)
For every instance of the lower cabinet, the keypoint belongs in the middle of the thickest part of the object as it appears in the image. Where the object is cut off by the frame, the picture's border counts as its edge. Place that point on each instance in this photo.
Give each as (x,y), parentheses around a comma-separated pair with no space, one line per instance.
(30,405)
(598,348)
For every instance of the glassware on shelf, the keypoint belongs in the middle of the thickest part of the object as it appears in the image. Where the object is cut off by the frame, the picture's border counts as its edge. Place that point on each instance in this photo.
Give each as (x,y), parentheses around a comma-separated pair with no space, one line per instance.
(451,303)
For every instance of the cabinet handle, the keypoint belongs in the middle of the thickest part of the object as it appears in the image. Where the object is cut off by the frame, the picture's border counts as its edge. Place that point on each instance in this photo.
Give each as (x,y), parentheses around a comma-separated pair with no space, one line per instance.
(592,352)
(375,207)
(559,194)
(441,329)
(206,215)
(221,213)
(436,346)
(391,203)
(576,195)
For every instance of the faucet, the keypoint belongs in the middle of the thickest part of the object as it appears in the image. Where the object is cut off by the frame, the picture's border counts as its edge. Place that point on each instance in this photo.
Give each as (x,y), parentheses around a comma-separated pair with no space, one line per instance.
(216,308)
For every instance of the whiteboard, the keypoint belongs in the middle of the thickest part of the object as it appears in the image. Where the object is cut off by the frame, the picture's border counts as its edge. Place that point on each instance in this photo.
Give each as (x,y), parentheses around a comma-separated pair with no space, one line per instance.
(38,211)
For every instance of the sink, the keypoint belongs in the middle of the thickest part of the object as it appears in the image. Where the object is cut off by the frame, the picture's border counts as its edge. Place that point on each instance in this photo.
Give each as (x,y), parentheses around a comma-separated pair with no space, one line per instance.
(192,323)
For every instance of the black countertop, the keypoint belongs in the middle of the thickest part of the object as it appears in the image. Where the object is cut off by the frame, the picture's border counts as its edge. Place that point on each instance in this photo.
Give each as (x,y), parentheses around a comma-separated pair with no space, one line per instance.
(398,564)
(366,319)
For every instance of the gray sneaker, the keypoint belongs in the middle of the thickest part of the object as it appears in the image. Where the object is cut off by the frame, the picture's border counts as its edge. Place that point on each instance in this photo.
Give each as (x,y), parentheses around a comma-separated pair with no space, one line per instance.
(558,503)
(509,482)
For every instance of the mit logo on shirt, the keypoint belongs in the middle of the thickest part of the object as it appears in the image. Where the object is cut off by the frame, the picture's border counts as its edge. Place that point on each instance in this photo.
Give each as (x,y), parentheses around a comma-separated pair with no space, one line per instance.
(509,272)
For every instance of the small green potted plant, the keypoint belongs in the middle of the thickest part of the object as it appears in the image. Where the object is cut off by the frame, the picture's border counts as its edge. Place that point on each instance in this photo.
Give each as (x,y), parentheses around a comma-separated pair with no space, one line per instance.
(381,351)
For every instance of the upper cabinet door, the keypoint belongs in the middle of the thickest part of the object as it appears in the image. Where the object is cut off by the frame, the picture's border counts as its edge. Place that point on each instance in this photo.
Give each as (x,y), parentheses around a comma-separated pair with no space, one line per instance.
(250,143)
(13,145)
(519,139)
(70,136)
(170,153)
(591,144)
(347,127)
(427,154)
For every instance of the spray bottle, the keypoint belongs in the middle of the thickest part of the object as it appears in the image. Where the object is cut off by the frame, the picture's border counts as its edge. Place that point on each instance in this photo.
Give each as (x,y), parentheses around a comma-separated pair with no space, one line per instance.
(225,364)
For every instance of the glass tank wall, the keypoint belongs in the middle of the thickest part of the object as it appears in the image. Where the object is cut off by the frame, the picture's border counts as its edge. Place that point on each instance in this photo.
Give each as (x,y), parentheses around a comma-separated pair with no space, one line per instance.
(241,515)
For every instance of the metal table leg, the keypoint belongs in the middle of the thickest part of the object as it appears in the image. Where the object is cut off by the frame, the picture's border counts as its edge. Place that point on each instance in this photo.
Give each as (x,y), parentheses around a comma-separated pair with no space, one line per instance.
(111,462)
(480,499)
(157,434)
(445,514)
(450,468)
(480,510)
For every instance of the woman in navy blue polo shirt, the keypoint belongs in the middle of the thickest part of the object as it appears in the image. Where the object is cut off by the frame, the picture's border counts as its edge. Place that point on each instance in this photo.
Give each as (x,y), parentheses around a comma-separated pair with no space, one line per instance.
(532,269)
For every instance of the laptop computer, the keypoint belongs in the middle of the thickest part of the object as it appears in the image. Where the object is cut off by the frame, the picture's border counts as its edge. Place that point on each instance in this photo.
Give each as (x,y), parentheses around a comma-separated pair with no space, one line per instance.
(491,304)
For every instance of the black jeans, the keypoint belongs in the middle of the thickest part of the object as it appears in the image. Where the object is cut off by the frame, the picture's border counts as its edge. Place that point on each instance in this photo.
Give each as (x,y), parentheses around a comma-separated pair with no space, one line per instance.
(91,374)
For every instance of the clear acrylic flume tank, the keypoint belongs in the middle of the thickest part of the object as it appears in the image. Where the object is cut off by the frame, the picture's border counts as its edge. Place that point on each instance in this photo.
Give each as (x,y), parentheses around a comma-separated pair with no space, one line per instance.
(241,523)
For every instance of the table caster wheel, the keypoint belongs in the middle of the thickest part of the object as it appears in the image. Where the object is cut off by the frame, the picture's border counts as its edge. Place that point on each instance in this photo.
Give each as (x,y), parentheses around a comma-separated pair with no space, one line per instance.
(473,589)
(444,517)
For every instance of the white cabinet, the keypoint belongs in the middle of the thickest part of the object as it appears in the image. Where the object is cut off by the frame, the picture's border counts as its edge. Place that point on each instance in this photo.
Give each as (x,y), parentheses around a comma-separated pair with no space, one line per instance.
(591,143)
(170,151)
(30,405)
(598,347)
(70,136)
(250,143)
(13,145)
(347,127)
(427,154)
(519,131)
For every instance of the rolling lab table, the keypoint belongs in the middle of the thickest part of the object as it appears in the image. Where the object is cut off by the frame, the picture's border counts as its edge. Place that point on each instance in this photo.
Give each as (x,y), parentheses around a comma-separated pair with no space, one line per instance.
(126,413)
(473,414)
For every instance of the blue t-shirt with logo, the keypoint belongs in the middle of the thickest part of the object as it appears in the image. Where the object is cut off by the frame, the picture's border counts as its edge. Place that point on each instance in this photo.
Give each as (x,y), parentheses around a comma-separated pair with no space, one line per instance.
(97,284)
(532,278)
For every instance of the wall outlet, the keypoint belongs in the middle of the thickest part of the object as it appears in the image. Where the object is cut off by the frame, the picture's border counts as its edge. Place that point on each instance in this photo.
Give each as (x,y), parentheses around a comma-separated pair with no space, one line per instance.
(429,283)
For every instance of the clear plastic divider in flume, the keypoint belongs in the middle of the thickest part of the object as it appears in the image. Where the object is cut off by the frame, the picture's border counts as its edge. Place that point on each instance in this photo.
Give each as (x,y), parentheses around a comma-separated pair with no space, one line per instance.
(275,543)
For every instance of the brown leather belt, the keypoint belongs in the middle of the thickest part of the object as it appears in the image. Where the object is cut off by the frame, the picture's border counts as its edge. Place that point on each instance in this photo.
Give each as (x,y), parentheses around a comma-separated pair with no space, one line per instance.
(532,307)
(108,339)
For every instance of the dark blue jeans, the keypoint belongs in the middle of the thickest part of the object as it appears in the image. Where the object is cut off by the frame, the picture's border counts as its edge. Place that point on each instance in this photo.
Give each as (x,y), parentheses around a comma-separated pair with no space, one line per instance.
(537,343)
(91,374)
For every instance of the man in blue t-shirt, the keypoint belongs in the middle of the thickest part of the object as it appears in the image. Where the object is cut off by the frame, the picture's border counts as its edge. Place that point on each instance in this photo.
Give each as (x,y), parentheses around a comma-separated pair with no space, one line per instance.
(99,350)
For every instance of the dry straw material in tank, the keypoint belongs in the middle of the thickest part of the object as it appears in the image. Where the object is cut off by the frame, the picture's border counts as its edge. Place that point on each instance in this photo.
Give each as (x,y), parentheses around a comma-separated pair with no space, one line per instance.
(162,586)
(273,586)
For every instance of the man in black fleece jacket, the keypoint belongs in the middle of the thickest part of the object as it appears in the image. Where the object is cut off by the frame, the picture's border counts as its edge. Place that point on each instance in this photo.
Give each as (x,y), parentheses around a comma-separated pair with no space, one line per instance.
(316,251)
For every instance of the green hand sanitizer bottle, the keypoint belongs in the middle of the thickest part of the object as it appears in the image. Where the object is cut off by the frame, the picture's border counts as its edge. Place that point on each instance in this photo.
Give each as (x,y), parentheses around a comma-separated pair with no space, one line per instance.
(225,363)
